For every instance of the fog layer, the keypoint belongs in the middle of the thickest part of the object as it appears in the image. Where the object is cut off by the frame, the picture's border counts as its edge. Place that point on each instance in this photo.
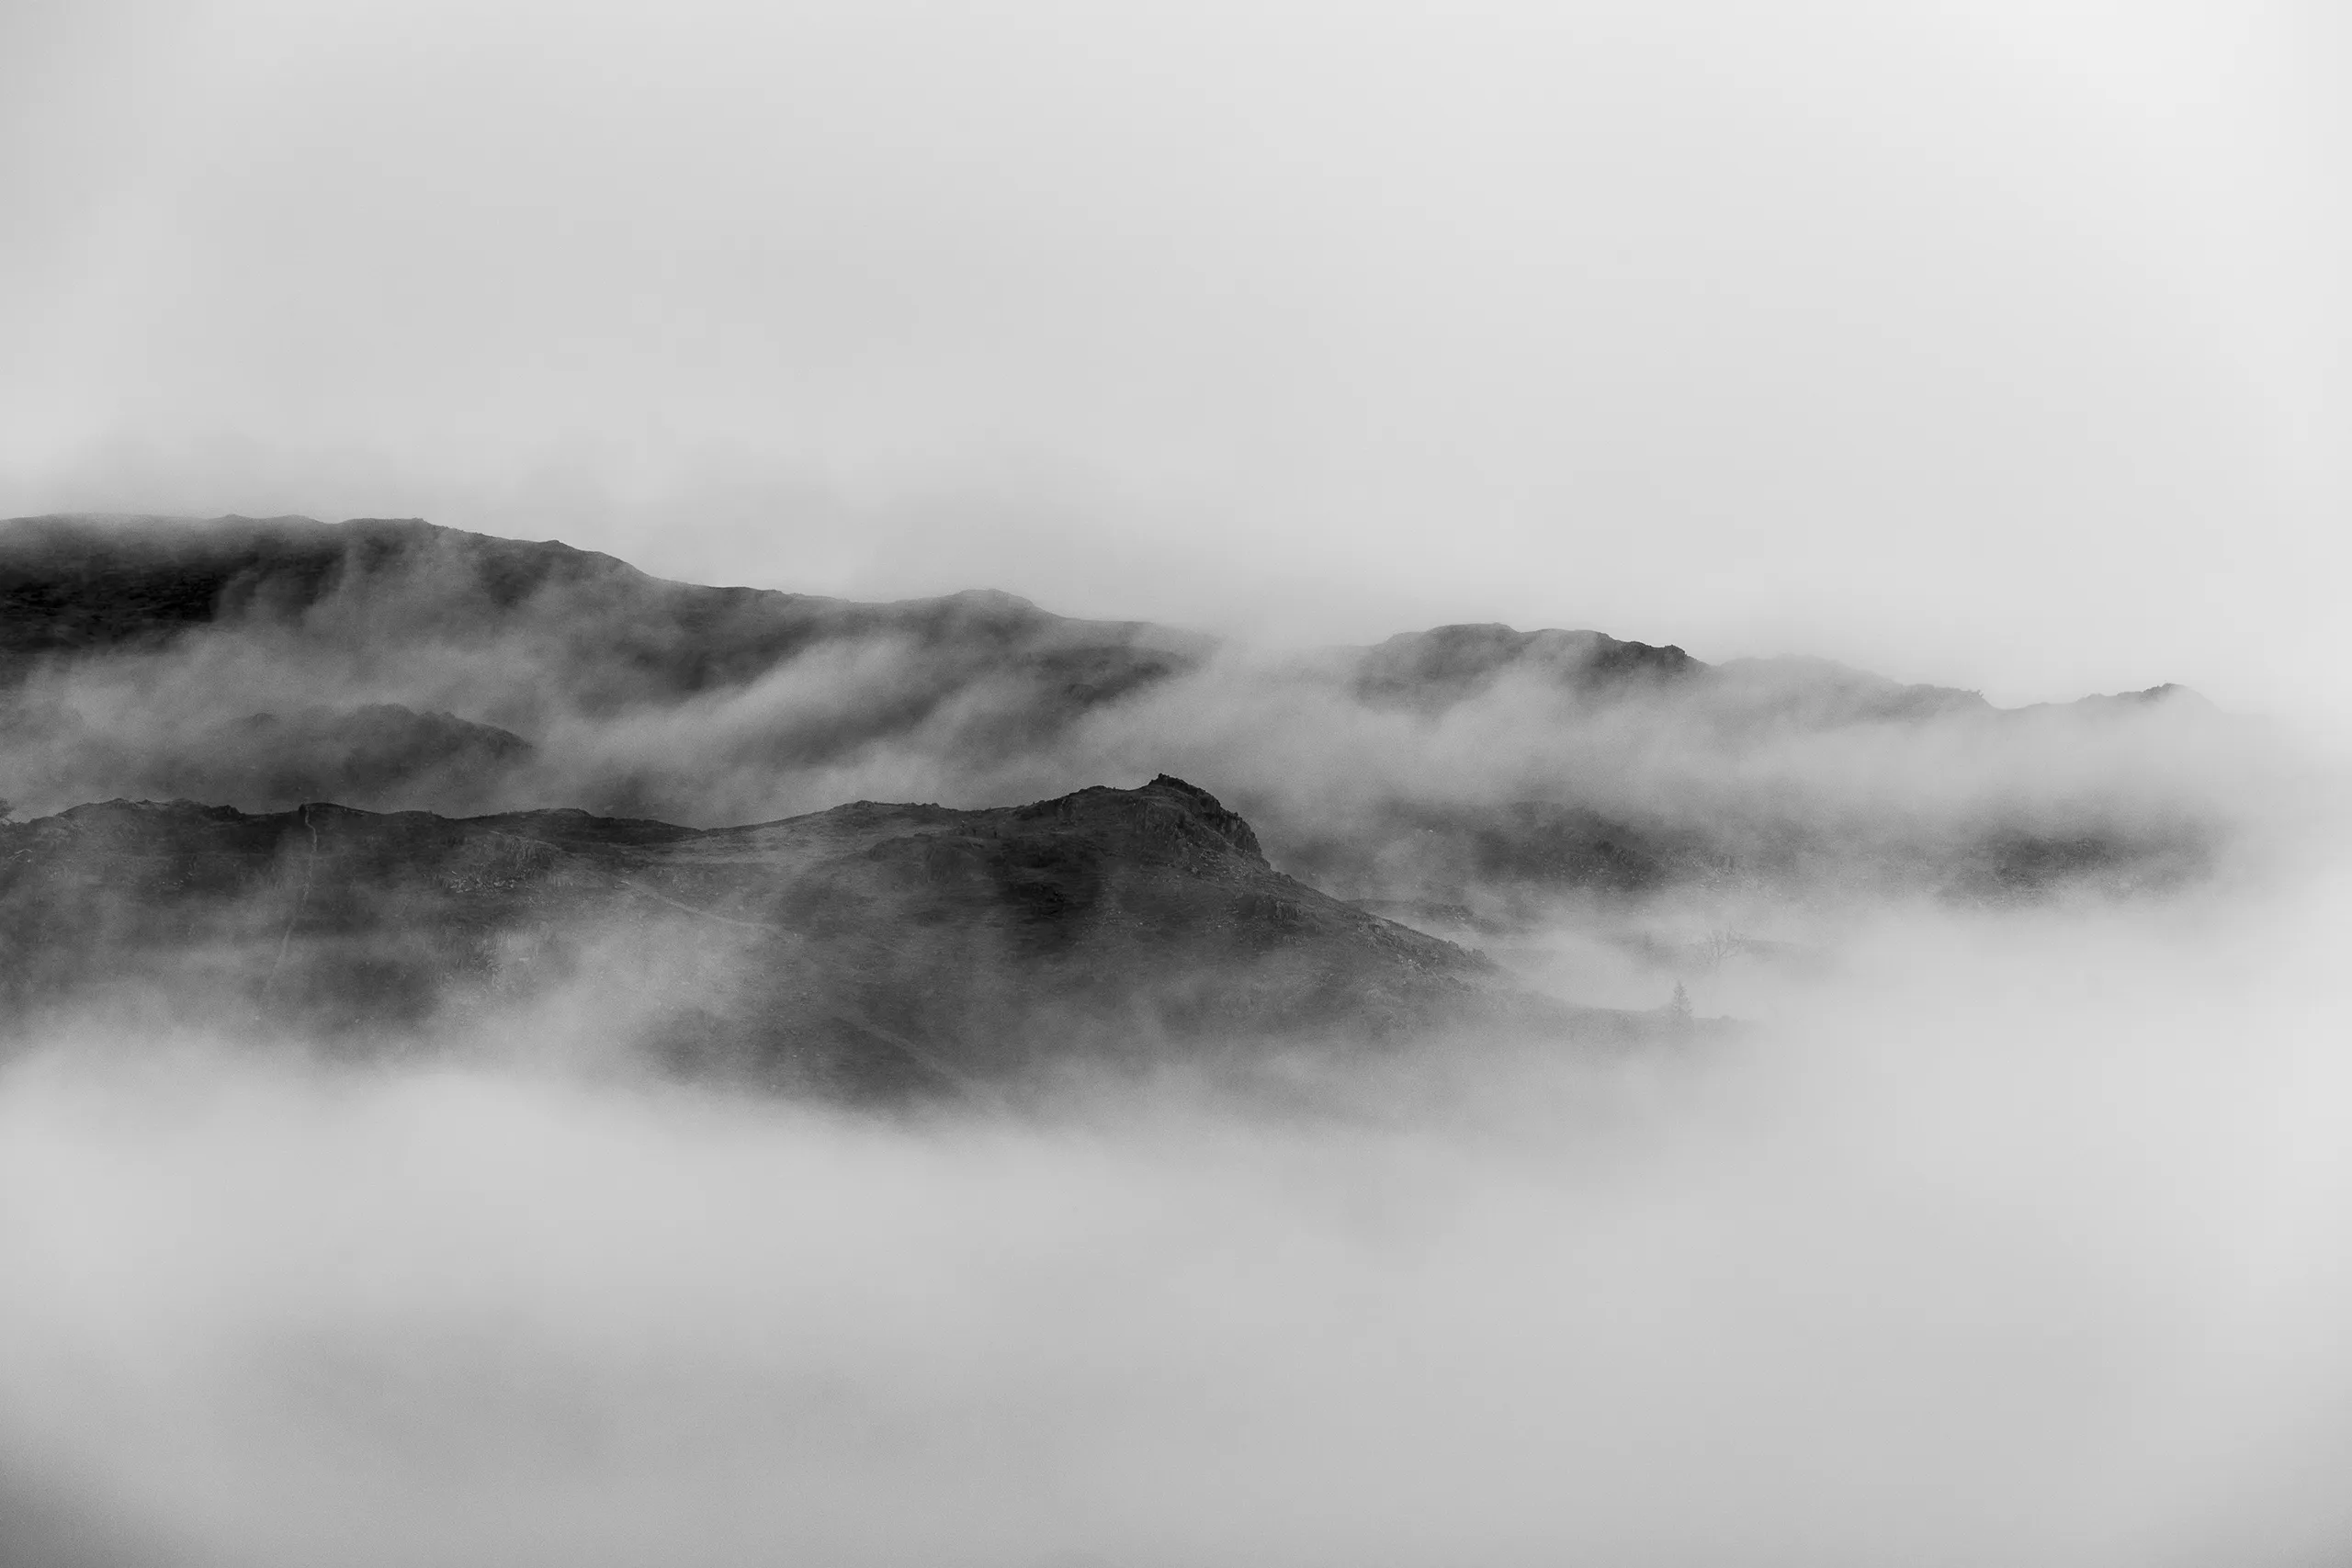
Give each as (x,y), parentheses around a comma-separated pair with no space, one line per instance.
(2019,1239)
(396,666)
(1998,343)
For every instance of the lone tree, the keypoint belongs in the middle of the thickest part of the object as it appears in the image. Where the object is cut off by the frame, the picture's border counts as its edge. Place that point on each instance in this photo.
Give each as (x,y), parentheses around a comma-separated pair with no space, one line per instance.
(1681,1006)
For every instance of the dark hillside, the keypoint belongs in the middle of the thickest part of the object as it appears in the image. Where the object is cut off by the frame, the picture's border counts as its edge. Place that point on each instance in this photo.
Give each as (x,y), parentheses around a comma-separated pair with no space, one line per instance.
(865,948)
(74,586)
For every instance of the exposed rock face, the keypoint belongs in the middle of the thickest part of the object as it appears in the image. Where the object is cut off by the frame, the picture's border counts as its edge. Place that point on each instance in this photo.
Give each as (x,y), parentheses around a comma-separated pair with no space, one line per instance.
(868,948)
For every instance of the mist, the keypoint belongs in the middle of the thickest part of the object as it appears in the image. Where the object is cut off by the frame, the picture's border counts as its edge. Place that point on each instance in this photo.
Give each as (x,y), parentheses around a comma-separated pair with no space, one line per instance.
(2013,1238)
(1799,1022)
(405,688)
(1998,345)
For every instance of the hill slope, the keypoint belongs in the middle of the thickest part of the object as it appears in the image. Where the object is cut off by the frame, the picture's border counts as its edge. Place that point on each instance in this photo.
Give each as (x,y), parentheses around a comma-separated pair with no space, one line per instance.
(870,947)
(74,586)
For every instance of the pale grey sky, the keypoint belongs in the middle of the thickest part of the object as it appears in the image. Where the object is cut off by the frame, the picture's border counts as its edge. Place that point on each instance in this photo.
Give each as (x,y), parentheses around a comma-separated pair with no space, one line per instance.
(2000,343)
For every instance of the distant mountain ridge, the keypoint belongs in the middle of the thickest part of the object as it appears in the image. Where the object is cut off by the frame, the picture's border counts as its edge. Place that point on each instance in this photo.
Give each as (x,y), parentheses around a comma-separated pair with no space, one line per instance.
(73,584)
(1443,665)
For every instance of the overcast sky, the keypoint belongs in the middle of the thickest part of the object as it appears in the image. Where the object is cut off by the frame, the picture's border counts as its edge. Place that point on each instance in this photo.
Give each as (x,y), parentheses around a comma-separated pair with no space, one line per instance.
(1999,343)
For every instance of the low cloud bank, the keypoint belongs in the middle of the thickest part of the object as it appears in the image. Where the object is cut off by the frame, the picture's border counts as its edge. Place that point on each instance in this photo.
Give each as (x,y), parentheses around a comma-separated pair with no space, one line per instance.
(1363,798)
(394,666)
(2007,1238)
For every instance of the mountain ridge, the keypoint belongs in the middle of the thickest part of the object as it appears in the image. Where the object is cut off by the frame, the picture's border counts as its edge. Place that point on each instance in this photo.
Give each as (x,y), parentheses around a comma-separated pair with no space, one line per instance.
(870,948)
(294,553)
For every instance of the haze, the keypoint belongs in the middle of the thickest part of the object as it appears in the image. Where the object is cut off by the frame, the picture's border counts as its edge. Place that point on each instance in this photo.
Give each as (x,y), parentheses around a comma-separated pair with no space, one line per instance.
(2002,345)
(1876,1129)
(2020,1243)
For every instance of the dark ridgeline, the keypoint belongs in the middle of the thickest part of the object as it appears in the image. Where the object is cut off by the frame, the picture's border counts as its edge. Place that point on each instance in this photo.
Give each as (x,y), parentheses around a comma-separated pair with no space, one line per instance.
(75,587)
(866,949)
(614,635)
